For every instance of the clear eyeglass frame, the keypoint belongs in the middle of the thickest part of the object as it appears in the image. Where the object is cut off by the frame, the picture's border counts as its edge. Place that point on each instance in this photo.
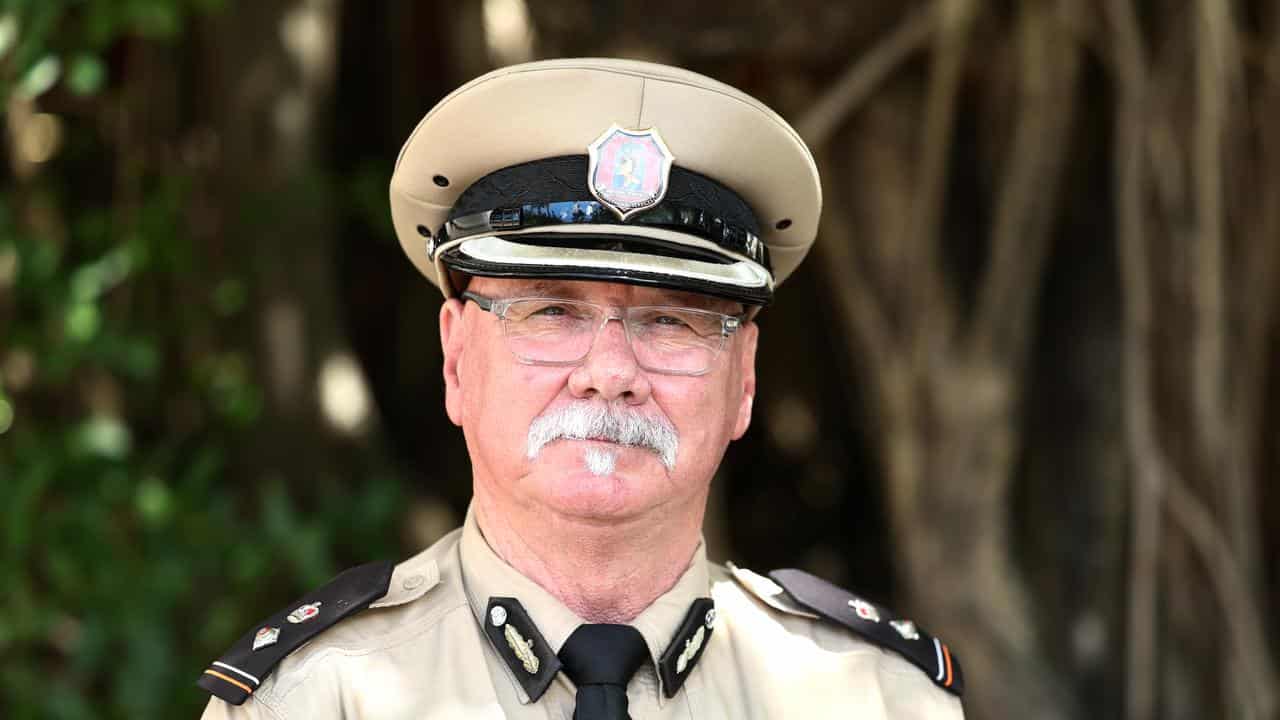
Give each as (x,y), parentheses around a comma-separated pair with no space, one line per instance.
(714,345)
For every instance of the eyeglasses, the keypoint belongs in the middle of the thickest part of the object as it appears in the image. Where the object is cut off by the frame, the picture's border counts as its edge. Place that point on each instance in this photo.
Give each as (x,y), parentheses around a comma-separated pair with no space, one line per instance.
(554,331)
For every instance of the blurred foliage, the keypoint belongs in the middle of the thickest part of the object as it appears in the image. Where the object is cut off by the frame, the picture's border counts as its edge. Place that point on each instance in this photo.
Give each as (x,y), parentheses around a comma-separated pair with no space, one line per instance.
(41,41)
(130,549)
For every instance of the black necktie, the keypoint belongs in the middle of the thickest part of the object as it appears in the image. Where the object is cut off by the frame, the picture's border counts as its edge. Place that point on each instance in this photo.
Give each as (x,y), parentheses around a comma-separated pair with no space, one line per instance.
(600,660)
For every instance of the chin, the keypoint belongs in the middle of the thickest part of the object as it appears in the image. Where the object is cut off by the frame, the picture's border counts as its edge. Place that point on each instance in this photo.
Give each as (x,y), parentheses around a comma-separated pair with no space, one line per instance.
(575,484)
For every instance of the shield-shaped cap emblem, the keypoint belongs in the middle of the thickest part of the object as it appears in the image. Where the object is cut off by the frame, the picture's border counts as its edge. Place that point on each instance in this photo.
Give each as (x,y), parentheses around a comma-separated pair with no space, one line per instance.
(629,169)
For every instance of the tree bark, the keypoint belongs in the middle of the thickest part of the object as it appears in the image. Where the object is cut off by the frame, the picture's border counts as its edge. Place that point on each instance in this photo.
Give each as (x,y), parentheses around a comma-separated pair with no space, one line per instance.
(946,392)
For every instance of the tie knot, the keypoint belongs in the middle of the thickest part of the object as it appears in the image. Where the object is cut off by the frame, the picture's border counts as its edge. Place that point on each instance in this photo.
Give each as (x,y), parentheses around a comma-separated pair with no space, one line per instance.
(603,654)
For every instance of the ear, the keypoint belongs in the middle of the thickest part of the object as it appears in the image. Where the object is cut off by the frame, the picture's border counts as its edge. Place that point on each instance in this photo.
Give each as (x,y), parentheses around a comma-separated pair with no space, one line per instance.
(747,337)
(452,342)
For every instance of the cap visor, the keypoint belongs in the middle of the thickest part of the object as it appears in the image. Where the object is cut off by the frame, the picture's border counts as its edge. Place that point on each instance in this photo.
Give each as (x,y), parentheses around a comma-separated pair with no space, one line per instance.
(629,259)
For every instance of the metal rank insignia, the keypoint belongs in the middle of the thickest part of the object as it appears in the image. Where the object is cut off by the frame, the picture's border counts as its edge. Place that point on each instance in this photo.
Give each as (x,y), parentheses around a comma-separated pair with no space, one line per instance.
(691,648)
(305,613)
(629,169)
(522,648)
(865,610)
(906,629)
(266,637)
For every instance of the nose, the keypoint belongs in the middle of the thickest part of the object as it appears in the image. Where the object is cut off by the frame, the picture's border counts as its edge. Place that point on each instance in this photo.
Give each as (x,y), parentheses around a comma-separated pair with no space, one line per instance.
(610,370)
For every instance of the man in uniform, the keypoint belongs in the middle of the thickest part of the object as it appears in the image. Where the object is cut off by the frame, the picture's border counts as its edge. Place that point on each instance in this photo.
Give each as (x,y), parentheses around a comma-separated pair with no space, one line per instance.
(599,349)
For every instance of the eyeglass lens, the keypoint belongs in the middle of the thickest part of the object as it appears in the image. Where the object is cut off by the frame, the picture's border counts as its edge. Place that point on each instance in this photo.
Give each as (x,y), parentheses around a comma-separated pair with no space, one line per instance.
(664,339)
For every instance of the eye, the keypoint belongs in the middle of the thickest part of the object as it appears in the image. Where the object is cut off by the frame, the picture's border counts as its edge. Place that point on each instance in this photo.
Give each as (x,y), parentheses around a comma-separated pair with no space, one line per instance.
(669,321)
(551,311)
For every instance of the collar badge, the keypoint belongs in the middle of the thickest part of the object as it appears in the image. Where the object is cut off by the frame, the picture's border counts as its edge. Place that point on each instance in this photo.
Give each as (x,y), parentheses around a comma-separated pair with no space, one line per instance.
(629,169)
(691,648)
(522,648)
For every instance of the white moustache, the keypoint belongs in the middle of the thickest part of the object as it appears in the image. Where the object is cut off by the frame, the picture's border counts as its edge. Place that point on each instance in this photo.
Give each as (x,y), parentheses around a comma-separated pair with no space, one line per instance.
(590,421)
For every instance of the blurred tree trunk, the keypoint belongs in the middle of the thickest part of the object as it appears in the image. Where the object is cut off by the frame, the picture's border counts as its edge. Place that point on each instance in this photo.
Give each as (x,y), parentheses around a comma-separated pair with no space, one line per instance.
(1193,167)
(268,72)
(946,386)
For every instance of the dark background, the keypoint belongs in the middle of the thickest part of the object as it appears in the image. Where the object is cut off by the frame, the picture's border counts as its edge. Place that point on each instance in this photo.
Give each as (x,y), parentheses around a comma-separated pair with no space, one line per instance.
(1025,388)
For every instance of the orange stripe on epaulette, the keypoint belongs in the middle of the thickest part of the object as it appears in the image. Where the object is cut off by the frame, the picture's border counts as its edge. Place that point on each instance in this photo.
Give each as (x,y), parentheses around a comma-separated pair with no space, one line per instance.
(947,653)
(237,683)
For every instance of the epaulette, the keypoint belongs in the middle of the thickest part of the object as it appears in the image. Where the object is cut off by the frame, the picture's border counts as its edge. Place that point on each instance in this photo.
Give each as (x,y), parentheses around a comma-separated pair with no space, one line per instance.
(799,593)
(234,676)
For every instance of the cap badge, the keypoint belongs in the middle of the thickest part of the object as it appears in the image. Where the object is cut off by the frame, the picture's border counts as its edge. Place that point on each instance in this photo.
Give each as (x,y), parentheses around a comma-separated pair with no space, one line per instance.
(629,169)
(522,648)
(304,613)
(865,610)
(906,629)
(266,637)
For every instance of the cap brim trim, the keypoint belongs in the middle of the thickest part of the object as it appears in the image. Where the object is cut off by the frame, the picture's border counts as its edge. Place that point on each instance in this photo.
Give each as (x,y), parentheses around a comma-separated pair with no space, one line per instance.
(493,249)
(640,232)
(495,256)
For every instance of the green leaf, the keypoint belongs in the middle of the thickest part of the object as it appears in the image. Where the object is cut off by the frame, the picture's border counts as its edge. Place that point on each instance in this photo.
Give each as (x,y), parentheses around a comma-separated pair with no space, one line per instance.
(150,18)
(6,414)
(8,32)
(41,77)
(104,436)
(86,75)
(154,502)
(229,297)
(9,265)
(82,321)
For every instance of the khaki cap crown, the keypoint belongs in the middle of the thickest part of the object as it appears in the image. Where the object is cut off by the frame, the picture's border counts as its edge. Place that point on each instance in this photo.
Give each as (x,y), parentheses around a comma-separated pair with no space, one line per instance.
(555,108)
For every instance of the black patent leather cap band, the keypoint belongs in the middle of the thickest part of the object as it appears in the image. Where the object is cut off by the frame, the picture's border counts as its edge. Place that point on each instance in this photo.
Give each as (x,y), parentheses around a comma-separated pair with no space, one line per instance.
(668,215)
(565,178)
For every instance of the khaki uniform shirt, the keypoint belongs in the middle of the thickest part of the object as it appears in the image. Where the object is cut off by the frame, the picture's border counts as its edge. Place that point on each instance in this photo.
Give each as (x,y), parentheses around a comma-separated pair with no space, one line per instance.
(421,652)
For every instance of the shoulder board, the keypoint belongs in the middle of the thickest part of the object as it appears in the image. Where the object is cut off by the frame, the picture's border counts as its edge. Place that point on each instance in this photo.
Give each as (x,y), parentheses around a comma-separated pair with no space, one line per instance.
(875,624)
(234,676)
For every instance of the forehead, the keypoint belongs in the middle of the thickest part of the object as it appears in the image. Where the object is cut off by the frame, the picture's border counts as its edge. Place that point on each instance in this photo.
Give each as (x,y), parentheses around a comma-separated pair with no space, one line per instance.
(605,293)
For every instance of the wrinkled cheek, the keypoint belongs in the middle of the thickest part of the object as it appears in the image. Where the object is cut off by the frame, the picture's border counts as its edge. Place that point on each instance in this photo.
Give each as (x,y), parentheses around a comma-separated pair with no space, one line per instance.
(701,435)
(513,401)
(540,381)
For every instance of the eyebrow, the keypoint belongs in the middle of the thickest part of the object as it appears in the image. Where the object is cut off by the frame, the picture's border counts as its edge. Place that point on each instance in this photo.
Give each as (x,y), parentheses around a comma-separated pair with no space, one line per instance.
(728,307)
(549,288)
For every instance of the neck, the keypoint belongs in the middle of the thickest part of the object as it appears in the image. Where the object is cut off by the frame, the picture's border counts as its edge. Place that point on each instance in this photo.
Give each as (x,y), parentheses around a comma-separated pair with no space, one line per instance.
(602,571)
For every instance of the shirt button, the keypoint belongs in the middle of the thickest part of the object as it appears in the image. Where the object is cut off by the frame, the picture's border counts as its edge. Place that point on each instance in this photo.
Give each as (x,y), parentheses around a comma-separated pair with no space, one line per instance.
(412,582)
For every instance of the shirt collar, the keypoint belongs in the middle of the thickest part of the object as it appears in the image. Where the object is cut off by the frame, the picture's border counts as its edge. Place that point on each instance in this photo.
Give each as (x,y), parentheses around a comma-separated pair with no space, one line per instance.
(485,575)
